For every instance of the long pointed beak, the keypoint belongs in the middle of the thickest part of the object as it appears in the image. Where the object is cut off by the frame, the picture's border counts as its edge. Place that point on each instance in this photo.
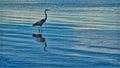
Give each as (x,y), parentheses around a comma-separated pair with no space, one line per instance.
(48,10)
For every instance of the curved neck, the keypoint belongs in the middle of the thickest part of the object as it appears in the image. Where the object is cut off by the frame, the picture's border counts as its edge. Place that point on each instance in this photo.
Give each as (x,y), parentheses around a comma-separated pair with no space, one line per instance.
(45,15)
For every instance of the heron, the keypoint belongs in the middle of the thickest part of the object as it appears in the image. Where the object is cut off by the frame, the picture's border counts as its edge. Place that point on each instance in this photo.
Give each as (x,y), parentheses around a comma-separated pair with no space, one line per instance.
(40,22)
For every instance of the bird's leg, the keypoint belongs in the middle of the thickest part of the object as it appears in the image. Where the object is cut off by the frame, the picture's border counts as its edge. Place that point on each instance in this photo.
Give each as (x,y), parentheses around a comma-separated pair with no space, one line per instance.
(41,29)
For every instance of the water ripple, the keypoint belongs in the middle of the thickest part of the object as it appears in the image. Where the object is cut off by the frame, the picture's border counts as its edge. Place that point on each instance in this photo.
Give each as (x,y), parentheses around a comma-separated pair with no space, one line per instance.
(75,37)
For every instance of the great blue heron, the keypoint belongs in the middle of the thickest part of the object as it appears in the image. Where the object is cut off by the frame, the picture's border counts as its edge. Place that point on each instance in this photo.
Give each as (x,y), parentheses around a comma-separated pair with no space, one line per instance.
(41,39)
(40,22)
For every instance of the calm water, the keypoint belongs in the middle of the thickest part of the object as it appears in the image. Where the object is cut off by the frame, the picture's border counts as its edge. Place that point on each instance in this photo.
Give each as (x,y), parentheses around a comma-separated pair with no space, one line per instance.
(76,37)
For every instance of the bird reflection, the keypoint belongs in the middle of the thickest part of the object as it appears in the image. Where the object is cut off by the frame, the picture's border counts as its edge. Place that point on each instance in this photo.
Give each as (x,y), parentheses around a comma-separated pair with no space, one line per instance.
(40,39)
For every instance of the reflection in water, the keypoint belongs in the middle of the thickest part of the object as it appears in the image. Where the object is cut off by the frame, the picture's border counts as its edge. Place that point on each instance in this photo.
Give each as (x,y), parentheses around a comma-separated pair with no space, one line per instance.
(40,39)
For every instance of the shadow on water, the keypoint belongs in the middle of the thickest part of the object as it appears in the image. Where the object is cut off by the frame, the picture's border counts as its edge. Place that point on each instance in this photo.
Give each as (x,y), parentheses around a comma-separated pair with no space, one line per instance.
(41,39)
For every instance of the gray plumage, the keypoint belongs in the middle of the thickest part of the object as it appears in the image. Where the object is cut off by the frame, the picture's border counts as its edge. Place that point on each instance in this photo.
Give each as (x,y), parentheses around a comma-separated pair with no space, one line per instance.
(40,22)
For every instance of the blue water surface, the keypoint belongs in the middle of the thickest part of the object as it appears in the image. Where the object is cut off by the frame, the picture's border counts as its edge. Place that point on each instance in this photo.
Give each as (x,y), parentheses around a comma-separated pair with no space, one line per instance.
(76,36)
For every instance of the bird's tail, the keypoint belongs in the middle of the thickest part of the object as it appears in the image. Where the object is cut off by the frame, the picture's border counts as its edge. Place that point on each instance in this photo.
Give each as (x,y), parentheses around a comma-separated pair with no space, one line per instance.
(33,25)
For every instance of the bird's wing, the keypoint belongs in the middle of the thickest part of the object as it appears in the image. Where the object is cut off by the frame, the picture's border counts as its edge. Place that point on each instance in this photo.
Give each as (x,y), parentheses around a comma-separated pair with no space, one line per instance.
(41,21)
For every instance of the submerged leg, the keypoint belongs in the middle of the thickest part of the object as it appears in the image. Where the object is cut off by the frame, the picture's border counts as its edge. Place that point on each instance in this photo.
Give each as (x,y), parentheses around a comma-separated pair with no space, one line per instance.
(41,29)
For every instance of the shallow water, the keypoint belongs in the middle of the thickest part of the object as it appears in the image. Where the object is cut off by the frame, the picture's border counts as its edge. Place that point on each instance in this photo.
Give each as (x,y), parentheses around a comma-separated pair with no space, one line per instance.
(75,36)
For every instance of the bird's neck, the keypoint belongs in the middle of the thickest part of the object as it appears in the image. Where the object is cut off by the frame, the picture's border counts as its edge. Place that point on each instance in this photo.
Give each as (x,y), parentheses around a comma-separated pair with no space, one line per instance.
(45,15)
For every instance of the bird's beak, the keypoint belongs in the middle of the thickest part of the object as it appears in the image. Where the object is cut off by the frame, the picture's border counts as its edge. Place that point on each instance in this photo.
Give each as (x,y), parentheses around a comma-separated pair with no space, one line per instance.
(48,10)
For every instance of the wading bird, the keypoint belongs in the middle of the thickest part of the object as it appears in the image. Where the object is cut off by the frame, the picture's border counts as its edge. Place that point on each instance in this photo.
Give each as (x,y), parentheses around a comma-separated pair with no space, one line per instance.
(40,22)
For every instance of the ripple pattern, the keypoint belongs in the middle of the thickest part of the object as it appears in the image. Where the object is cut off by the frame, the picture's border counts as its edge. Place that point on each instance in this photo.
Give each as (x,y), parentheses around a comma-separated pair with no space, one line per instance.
(76,37)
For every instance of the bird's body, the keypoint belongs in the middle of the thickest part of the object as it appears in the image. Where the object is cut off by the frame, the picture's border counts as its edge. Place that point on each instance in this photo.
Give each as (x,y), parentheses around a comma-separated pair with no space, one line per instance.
(40,22)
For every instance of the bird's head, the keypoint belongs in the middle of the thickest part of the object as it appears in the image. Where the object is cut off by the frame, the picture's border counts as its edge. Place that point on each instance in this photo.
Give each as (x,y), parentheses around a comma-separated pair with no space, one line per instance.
(47,10)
